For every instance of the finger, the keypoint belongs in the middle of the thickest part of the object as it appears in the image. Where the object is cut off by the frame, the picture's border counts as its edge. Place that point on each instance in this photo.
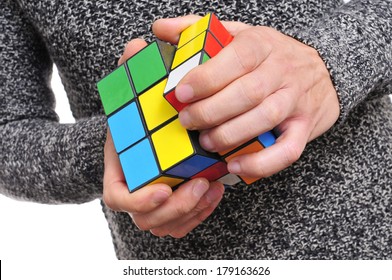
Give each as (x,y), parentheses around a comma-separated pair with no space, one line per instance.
(115,192)
(179,228)
(180,204)
(287,149)
(264,117)
(240,96)
(131,48)
(169,29)
(237,59)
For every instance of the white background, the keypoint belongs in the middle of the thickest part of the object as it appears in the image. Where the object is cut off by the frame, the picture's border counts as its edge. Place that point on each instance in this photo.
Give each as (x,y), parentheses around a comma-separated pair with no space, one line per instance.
(35,231)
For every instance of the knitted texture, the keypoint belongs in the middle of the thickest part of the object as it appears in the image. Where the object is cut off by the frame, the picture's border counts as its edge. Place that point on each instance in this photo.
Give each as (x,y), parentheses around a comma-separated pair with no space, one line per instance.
(333,203)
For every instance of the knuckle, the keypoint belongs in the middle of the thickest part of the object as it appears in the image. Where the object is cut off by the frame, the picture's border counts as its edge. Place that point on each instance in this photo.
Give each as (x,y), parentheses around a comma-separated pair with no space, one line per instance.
(203,215)
(200,207)
(142,226)
(260,171)
(207,75)
(138,207)
(272,113)
(244,59)
(251,91)
(204,114)
(247,57)
(255,165)
(291,153)
(159,232)
(143,223)
(222,137)
(178,234)
(182,209)
(108,200)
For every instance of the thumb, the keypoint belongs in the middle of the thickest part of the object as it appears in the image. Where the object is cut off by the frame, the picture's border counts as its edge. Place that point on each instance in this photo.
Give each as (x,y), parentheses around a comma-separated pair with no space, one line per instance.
(169,29)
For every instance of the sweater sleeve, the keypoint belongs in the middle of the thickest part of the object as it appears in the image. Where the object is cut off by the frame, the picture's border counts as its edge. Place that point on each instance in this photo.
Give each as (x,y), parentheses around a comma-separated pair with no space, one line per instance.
(355,43)
(41,160)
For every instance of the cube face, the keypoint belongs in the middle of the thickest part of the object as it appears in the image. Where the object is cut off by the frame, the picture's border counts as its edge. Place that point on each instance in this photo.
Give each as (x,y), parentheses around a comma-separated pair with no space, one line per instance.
(219,31)
(212,46)
(189,50)
(115,90)
(126,127)
(139,99)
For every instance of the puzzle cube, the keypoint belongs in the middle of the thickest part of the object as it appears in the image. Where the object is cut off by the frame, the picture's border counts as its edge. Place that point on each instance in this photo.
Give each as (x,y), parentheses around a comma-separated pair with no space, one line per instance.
(148,137)
(138,99)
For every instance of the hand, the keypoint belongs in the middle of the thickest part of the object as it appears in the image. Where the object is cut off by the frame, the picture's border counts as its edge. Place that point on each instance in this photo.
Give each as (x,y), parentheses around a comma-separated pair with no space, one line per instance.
(270,81)
(156,208)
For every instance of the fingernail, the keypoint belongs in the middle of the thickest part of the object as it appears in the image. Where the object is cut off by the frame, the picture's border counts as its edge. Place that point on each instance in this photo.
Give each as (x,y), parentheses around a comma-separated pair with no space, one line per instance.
(199,188)
(234,167)
(185,119)
(184,93)
(206,143)
(160,196)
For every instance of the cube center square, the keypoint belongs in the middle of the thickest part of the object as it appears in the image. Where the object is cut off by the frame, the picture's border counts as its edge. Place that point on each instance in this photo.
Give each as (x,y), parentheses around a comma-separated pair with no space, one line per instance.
(139,101)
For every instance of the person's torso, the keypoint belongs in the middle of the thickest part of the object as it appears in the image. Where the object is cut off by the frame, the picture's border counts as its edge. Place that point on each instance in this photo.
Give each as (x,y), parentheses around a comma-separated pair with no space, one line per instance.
(86,38)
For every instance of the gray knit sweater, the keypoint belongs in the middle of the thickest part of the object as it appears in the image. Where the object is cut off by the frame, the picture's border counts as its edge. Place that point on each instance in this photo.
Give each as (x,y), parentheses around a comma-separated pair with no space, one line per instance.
(334,203)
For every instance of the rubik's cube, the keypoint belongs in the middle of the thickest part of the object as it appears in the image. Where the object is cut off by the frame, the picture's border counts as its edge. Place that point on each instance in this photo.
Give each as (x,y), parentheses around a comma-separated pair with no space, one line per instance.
(139,101)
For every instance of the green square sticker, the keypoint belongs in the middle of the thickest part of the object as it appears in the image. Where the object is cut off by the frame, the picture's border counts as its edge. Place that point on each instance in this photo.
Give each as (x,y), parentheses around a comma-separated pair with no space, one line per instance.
(115,90)
(147,67)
